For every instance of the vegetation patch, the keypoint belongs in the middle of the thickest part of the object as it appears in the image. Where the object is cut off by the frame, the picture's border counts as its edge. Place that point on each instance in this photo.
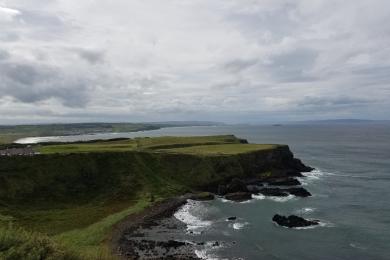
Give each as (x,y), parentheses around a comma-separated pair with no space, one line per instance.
(17,243)
(222,149)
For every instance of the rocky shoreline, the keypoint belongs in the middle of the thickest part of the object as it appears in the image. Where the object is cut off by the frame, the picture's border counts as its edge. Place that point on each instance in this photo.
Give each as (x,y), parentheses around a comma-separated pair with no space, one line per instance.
(156,233)
(129,237)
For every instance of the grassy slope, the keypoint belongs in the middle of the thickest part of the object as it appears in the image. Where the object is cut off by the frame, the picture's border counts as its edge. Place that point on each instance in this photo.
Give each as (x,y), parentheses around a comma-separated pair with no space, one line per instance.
(9,138)
(109,146)
(156,143)
(76,197)
(17,243)
(224,149)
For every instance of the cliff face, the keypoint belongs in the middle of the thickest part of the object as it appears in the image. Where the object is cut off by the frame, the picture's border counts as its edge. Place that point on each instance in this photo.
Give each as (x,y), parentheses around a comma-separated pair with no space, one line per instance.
(91,176)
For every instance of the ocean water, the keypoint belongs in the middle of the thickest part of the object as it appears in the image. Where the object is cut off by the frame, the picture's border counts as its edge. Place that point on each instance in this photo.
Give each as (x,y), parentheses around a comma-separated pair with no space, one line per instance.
(351,198)
(350,187)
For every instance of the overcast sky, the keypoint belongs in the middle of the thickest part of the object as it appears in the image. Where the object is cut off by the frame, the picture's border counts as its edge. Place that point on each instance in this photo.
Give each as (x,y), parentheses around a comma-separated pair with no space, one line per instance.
(221,60)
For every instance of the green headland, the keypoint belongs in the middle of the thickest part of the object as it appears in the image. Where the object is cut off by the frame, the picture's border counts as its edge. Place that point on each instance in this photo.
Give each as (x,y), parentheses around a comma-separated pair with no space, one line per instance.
(62,202)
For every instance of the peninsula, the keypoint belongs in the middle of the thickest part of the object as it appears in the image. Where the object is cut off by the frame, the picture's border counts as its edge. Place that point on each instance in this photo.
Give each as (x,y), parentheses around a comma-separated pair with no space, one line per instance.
(75,200)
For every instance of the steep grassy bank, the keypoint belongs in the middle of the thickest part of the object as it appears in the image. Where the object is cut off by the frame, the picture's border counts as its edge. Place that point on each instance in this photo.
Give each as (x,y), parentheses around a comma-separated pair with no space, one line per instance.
(17,243)
(85,177)
(76,197)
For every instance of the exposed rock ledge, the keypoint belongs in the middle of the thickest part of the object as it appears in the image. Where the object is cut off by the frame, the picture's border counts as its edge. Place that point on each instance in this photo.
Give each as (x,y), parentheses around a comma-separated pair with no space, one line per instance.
(293,221)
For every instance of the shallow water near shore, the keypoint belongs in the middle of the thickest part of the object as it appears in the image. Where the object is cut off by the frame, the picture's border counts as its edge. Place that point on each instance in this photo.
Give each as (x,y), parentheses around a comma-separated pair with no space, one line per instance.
(350,188)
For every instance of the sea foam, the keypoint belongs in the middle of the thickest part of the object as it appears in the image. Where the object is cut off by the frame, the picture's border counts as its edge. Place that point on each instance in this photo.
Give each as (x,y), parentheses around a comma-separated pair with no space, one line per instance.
(206,252)
(274,198)
(194,223)
(320,224)
(305,210)
(314,175)
(239,225)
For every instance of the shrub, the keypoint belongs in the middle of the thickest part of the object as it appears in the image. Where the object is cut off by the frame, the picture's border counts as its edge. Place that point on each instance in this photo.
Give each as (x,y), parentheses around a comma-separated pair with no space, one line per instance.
(17,243)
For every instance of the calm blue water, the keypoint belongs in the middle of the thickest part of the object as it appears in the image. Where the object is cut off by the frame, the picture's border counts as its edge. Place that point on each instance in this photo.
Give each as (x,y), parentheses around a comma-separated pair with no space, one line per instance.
(351,196)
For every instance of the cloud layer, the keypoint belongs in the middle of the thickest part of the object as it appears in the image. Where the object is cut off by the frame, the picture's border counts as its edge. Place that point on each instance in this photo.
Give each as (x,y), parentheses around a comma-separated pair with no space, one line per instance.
(223,60)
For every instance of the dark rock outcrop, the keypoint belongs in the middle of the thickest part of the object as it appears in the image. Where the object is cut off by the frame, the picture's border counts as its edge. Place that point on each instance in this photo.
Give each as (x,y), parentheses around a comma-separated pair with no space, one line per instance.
(255,181)
(287,173)
(299,192)
(236,185)
(299,166)
(203,196)
(231,218)
(239,196)
(254,189)
(221,190)
(293,221)
(273,192)
(286,181)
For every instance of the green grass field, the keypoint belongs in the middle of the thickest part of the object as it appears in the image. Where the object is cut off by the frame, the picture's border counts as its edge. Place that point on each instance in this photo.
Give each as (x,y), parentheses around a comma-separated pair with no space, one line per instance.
(220,149)
(103,146)
(224,144)
(9,138)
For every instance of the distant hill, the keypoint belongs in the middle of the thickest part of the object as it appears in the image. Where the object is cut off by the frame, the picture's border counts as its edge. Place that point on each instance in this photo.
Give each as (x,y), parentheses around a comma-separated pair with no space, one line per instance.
(10,133)
(342,121)
(186,123)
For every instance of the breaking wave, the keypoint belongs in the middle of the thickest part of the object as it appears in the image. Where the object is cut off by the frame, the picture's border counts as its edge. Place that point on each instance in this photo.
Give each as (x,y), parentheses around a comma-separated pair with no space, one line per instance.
(194,223)
(274,198)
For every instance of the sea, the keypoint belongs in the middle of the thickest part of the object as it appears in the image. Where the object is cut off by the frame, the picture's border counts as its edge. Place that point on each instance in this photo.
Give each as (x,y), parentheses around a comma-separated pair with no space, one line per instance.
(350,187)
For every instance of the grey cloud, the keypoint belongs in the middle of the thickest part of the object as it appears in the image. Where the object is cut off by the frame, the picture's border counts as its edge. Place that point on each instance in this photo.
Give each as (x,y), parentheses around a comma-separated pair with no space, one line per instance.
(335,102)
(272,19)
(238,65)
(236,58)
(8,36)
(25,74)
(33,83)
(373,70)
(34,24)
(91,56)
(4,55)
(41,19)
(293,66)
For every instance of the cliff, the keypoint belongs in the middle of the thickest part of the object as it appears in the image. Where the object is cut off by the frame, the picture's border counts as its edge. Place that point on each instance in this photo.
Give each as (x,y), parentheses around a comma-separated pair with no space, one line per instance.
(89,176)
(77,192)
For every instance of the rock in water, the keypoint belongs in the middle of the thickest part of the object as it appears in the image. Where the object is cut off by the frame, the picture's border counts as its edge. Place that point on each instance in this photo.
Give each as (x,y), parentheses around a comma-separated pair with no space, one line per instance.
(253,189)
(288,181)
(239,196)
(231,218)
(293,221)
(273,192)
(299,192)
(299,166)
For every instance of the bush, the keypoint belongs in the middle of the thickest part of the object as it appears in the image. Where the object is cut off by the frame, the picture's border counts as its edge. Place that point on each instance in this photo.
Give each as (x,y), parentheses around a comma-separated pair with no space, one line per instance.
(17,243)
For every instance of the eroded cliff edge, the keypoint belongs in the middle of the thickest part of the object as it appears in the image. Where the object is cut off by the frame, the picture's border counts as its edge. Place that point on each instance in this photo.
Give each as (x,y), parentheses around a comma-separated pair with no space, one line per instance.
(77,195)
(87,176)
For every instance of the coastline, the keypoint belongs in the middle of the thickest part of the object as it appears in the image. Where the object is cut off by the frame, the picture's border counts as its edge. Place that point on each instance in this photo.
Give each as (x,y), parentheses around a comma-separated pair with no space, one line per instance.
(222,165)
(158,233)
(128,239)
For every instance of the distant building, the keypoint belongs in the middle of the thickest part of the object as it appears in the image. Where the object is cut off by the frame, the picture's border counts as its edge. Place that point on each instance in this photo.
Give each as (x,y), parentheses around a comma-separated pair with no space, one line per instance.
(22,151)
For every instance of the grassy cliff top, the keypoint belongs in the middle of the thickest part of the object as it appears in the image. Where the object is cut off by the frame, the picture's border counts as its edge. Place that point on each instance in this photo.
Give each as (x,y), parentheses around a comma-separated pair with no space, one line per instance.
(221,149)
(200,145)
